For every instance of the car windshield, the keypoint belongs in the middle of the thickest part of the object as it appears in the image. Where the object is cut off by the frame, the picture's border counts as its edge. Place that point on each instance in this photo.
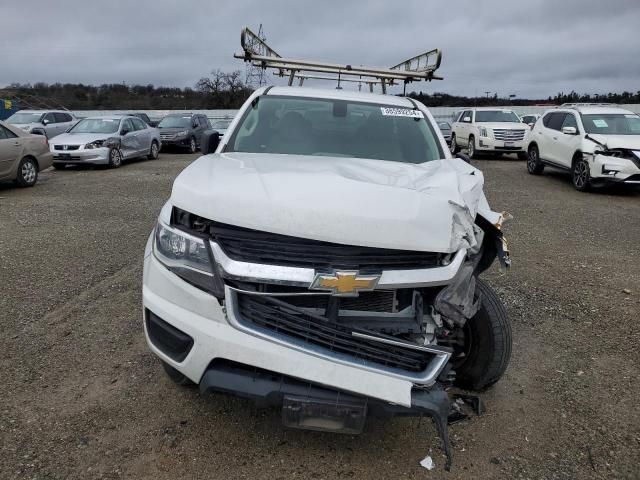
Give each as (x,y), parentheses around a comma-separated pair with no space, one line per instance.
(444,125)
(96,125)
(612,124)
(335,128)
(175,122)
(221,124)
(485,116)
(24,117)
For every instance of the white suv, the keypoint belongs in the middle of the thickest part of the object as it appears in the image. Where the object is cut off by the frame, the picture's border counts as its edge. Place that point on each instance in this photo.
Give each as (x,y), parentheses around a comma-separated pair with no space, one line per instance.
(598,144)
(324,257)
(490,130)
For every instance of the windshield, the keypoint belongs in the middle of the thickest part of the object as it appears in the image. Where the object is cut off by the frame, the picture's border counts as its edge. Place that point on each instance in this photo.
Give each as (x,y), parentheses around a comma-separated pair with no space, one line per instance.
(612,124)
(221,124)
(96,125)
(22,117)
(485,116)
(175,122)
(325,127)
(444,125)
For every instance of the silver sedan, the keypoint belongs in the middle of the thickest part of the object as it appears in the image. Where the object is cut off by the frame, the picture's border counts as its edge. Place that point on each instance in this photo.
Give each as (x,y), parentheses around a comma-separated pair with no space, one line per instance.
(105,141)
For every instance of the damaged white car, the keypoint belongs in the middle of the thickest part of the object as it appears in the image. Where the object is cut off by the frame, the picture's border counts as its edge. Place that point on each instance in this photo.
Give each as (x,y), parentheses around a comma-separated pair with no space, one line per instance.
(598,144)
(326,260)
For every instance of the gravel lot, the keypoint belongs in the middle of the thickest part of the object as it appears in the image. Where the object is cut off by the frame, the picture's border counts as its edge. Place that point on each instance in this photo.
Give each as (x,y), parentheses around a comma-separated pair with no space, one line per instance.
(82,396)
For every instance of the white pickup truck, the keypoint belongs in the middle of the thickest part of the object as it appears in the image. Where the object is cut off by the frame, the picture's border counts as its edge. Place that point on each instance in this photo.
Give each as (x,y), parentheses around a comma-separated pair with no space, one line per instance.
(490,130)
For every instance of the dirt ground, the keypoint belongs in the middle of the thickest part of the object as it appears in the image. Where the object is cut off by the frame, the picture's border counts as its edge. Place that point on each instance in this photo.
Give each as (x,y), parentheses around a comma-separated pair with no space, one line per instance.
(82,396)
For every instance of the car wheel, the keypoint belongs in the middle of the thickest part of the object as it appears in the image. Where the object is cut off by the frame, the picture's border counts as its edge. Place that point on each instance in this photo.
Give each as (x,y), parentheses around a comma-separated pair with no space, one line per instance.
(471,148)
(534,165)
(193,146)
(27,172)
(154,151)
(581,175)
(115,158)
(453,148)
(482,349)
(176,376)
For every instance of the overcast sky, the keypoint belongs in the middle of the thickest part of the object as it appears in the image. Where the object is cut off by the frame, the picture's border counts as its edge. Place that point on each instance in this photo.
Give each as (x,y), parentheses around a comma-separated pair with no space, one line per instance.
(532,48)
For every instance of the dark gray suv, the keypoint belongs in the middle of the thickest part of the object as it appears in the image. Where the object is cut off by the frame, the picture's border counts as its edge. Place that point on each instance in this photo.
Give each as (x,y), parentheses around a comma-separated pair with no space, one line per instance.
(183,130)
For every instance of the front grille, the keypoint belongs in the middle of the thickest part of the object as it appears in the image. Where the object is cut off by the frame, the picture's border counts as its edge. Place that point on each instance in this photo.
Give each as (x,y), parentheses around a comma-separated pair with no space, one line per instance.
(66,147)
(277,317)
(254,246)
(376,301)
(508,135)
(166,136)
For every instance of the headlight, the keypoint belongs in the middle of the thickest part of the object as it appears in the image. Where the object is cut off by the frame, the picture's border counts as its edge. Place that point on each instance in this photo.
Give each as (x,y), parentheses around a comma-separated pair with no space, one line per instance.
(96,144)
(484,132)
(183,133)
(185,255)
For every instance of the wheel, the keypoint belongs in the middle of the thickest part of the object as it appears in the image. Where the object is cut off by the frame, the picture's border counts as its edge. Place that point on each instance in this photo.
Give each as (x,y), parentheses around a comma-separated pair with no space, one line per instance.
(59,166)
(193,146)
(483,346)
(153,151)
(176,376)
(115,158)
(534,165)
(454,146)
(471,148)
(523,155)
(27,172)
(581,175)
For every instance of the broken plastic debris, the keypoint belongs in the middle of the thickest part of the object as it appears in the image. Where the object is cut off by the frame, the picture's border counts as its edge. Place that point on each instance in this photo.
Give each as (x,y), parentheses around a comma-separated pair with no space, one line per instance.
(427,462)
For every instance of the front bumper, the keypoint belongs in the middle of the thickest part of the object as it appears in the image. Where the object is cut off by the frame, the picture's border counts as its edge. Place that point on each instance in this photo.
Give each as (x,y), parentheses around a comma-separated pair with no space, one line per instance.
(486,144)
(607,170)
(175,142)
(96,156)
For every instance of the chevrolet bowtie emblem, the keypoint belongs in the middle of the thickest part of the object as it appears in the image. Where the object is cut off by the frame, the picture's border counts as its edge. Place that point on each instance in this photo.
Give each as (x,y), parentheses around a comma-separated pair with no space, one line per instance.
(345,284)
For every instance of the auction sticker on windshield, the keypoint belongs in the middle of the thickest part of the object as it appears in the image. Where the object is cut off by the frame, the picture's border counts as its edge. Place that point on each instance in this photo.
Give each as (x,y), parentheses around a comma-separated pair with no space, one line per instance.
(401,112)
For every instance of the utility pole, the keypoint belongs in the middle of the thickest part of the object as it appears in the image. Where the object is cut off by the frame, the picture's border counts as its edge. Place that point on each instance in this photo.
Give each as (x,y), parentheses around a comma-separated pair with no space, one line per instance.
(255,76)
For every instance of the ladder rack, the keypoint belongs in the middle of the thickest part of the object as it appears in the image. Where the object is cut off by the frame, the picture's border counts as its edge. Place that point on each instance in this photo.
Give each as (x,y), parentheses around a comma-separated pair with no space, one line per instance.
(418,68)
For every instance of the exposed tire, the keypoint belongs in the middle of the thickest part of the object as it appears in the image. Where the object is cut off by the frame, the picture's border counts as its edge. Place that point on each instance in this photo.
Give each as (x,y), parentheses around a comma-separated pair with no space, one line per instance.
(115,158)
(453,148)
(487,343)
(581,175)
(176,377)
(523,155)
(154,151)
(27,172)
(193,146)
(59,166)
(471,148)
(534,165)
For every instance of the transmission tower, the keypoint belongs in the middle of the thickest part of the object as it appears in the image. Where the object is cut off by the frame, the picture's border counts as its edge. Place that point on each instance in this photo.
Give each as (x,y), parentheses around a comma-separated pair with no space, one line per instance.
(255,76)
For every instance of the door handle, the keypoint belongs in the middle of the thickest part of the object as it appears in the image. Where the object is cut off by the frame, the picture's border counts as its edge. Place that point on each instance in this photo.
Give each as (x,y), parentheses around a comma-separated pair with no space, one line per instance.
(555,138)
(17,144)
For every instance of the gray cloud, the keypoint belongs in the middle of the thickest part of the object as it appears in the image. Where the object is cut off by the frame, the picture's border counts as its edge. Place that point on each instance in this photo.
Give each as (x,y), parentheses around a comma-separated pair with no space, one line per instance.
(533,48)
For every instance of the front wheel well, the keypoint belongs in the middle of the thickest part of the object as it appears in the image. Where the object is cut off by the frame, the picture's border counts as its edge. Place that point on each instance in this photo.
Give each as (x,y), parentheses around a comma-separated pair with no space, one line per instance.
(576,156)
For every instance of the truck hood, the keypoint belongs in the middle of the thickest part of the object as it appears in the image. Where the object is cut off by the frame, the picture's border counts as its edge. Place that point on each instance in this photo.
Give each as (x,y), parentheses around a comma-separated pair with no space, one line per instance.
(374,203)
(630,142)
(80,138)
(504,125)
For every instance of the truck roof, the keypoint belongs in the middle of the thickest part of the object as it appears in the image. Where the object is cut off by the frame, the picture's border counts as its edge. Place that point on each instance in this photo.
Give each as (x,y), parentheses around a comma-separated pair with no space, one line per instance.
(353,96)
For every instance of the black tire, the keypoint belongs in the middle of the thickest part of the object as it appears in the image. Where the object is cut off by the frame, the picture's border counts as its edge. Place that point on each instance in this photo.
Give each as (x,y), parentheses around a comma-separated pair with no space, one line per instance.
(523,155)
(115,158)
(453,148)
(27,175)
(471,147)
(193,145)
(154,151)
(59,166)
(176,377)
(581,175)
(487,343)
(534,165)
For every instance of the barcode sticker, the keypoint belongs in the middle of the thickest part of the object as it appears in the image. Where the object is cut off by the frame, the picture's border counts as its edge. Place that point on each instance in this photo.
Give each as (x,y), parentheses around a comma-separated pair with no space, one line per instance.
(401,112)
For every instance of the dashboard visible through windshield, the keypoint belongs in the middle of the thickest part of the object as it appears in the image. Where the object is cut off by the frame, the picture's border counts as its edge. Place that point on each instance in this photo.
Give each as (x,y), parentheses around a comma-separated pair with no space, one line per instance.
(336,128)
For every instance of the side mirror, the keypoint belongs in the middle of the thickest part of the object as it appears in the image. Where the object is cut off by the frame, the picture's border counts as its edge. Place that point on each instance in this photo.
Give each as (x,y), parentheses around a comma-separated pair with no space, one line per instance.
(467,119)
(569,130)
(209,142)
(45,121)
(463,156)
(124,131)
(194,125)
